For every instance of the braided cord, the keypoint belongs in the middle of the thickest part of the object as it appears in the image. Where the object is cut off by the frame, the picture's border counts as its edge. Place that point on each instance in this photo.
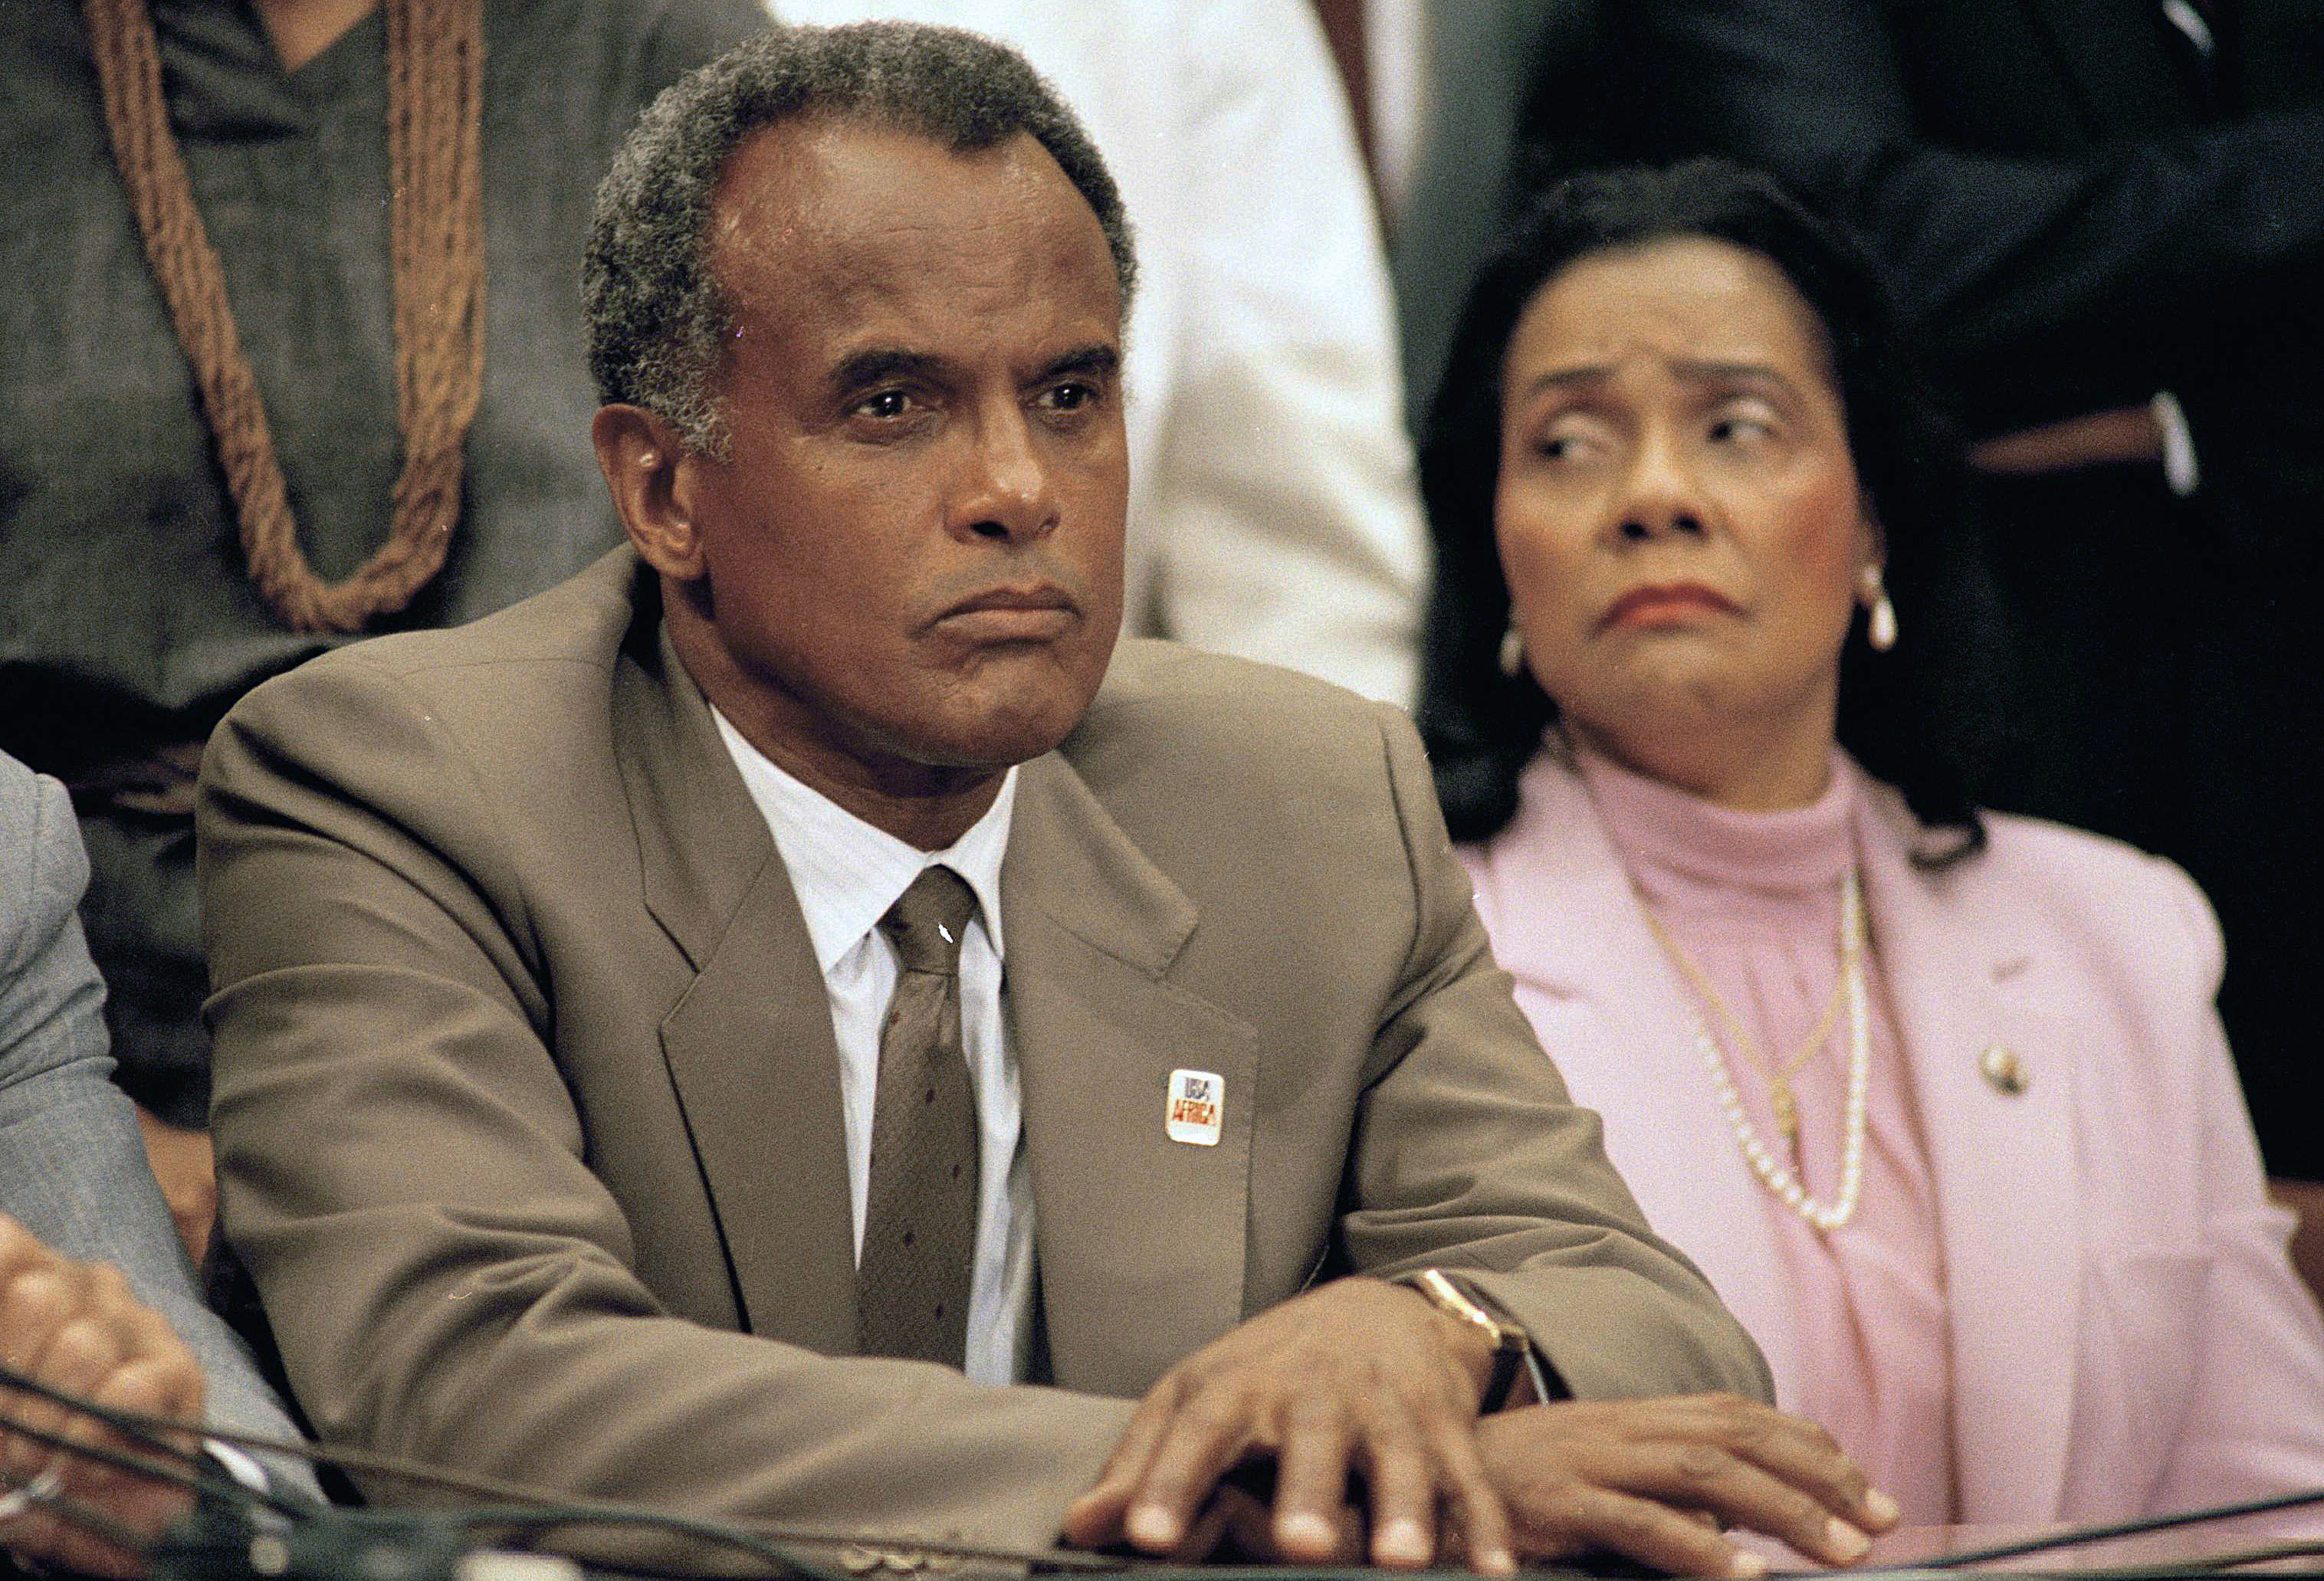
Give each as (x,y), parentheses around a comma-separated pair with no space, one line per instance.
(435,63)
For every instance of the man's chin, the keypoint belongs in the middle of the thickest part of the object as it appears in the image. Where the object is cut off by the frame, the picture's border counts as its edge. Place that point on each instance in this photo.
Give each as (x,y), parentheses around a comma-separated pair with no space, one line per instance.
(1015,707)
(1000,739)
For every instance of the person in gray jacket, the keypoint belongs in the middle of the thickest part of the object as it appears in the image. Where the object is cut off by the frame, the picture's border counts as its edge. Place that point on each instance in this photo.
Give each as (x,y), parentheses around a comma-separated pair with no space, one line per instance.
(95,1293)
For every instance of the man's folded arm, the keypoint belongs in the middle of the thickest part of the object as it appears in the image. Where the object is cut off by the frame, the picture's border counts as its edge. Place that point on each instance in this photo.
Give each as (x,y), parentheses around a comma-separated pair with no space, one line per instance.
(1469,1156)
(404,1173)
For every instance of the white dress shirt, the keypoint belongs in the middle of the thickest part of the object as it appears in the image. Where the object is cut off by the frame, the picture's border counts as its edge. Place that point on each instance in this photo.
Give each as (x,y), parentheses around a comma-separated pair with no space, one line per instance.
(846,875)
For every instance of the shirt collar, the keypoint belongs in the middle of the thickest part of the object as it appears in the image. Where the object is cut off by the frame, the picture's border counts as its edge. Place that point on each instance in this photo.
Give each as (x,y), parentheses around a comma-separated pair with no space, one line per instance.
(1667,833)
(846,872)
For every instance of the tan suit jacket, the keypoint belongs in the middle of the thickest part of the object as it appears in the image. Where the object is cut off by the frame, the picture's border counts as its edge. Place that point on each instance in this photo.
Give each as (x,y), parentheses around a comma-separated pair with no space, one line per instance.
(528,1100)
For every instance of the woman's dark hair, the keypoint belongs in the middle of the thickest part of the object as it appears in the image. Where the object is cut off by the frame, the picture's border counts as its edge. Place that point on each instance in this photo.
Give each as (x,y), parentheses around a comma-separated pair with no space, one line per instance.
(1907,715)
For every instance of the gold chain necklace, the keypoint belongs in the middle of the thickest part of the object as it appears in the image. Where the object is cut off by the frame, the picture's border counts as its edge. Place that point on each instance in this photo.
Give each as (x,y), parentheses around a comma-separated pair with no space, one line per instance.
(1785,1181)
(1778,1078)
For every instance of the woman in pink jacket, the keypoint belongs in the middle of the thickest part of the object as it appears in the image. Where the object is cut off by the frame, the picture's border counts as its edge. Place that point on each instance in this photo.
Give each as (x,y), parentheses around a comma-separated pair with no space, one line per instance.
(1937,1098)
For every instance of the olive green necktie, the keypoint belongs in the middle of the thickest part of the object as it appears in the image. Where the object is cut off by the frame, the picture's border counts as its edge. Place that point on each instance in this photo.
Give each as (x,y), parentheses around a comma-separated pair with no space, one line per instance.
(919,1215)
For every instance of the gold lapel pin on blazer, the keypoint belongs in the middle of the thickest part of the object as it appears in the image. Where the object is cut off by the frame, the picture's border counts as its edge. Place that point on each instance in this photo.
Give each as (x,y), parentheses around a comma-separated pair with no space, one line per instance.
(2003,1070)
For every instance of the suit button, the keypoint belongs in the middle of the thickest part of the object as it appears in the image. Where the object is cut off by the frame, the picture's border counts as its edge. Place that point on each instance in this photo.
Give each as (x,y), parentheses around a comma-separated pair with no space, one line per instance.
(2003,1070)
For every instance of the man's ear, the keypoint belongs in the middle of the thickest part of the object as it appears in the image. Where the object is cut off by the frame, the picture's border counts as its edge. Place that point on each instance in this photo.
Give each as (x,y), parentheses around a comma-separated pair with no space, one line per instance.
(655,481)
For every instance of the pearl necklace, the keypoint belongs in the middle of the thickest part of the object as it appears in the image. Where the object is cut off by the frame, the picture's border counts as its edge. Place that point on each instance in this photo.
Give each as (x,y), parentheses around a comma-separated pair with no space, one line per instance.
(1784,1181)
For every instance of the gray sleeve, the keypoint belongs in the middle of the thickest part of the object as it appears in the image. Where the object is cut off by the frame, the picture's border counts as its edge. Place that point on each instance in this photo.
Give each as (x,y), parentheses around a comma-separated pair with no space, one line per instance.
(72,1167)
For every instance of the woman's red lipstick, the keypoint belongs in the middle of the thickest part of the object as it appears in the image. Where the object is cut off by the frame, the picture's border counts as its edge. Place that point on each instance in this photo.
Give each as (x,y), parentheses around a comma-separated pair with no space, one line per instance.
(1666,603)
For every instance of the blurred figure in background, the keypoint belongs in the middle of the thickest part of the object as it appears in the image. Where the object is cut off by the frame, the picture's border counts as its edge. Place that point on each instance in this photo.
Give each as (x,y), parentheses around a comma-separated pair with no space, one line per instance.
(1466,77)
(292,359)
(1938,1097)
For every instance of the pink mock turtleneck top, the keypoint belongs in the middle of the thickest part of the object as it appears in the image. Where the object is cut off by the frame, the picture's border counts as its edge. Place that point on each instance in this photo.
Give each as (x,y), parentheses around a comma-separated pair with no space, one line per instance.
(1754,899)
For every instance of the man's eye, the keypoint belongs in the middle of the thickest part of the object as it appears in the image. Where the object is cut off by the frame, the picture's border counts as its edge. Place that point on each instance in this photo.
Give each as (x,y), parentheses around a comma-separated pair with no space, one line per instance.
(885,404)
(1069,397)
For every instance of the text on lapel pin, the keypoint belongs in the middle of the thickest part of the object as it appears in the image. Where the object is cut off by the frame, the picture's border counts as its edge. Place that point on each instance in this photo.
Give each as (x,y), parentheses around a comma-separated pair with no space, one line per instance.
(1195,1106)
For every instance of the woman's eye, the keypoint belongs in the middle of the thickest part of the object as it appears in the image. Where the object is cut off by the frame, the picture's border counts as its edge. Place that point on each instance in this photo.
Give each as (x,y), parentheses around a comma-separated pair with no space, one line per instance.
(1739,427)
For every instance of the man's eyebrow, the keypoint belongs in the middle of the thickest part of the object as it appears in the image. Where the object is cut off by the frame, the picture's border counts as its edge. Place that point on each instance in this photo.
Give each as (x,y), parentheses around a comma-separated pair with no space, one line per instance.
(1099,360)
(877,363)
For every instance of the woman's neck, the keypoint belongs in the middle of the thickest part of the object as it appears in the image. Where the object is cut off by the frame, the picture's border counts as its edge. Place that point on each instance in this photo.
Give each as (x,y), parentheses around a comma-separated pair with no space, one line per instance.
(1744,766)
(300,30)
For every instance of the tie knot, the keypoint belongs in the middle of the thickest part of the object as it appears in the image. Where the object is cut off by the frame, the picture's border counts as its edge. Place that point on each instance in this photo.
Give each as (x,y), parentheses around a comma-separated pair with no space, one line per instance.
(927,921)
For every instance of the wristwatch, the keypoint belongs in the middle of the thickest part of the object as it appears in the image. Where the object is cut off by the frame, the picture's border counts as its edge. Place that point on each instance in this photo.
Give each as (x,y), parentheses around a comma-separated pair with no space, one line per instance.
(1512,1345)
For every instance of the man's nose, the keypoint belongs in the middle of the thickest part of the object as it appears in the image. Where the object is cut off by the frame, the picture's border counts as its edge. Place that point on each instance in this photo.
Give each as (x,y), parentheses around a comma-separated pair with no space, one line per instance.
(1661,494)
(1006,490)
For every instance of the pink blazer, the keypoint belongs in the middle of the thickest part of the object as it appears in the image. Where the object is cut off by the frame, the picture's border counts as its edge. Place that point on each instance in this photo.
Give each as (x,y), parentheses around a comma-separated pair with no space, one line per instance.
(2127,1336)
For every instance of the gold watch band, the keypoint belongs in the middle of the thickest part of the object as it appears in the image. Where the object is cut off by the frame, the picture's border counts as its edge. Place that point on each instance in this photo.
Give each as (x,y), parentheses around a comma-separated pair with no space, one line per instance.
(1511,1344)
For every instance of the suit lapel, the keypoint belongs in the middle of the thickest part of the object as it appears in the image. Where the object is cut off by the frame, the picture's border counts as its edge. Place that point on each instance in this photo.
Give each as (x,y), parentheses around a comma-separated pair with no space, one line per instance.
(750,1046)
(1606,1001)
(1963,978)
(1140,1239)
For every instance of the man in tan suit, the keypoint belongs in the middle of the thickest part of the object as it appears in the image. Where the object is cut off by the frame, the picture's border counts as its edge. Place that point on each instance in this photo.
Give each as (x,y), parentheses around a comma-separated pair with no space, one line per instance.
(545,1081)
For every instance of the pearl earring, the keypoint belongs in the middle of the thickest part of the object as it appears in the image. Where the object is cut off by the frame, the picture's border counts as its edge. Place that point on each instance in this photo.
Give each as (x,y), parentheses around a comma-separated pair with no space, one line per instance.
(1880,625)
(1512,651)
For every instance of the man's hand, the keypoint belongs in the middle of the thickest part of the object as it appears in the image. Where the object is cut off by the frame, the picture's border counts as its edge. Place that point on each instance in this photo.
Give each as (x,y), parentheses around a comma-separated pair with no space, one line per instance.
(1358,1376)
(187,1167)
(74,1326)
(1654,1479)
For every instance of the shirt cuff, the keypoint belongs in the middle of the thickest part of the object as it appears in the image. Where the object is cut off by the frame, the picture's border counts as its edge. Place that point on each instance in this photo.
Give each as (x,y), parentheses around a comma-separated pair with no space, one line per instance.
(239,1465)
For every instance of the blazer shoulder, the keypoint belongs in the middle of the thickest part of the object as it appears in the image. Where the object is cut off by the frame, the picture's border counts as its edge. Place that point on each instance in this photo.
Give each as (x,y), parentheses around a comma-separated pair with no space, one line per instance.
(2104,891)
(2077,862)
(489,672)
(1187,748)
(582,621)
(2027,855)
(1158,686)
(42,869)
(23,806)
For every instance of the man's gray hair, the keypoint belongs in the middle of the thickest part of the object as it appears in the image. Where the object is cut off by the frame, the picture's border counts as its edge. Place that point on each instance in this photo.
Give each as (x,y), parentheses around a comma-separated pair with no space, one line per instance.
(658,318)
